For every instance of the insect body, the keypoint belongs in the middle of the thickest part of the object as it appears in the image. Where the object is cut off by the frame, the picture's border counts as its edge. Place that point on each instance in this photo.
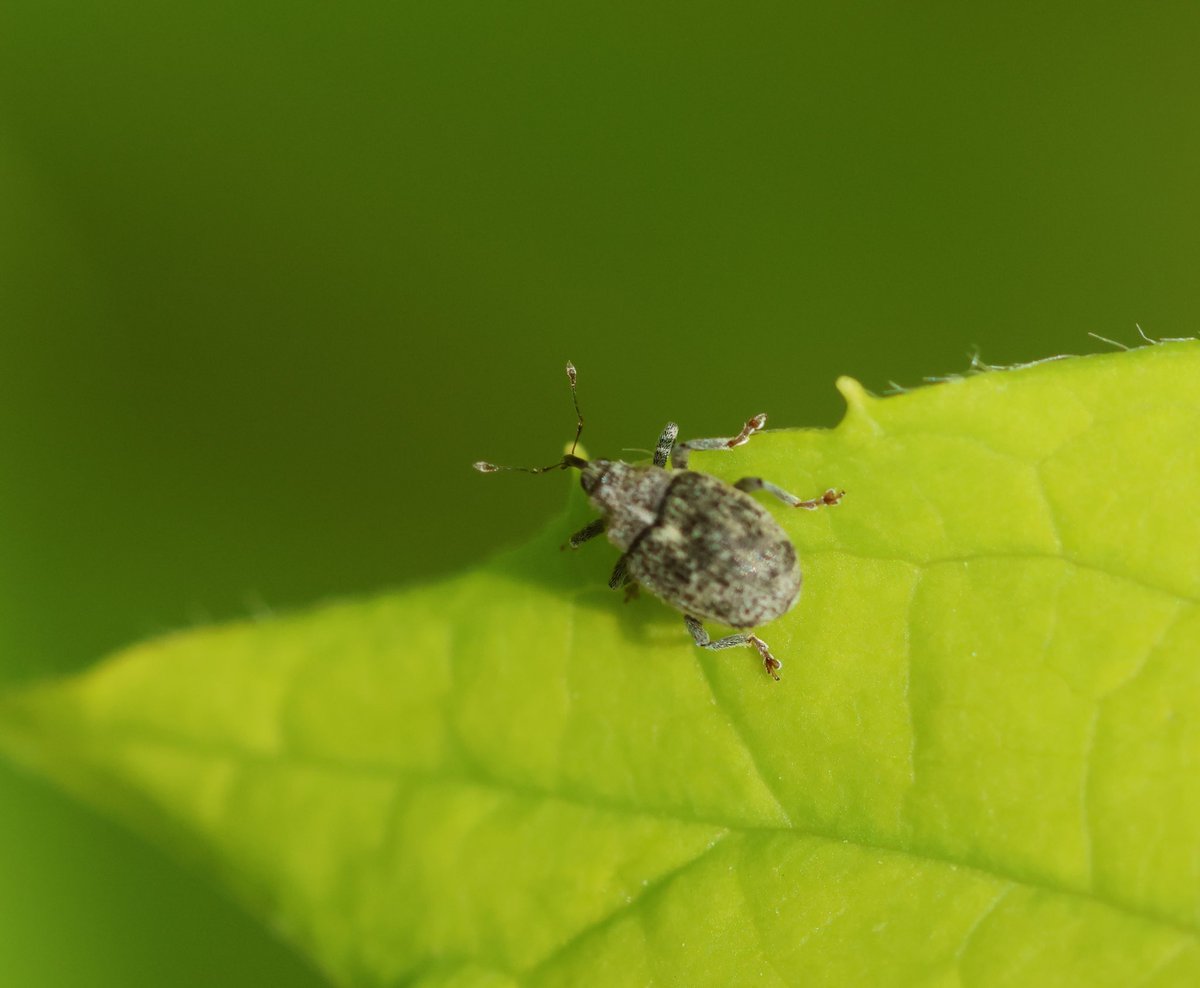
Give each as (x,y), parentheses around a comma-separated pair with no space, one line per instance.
(705,547)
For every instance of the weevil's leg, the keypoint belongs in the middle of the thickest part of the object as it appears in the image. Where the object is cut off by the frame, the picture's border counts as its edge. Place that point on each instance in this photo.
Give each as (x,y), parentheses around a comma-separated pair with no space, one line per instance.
(679,457)
(663,450)
(589,531)
(619,576)
(771,664)
(751,484)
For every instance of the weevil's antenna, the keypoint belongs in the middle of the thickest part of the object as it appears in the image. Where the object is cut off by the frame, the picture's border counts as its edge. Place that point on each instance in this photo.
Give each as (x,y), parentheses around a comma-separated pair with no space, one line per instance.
(570,460)
(571,374)
(567,461)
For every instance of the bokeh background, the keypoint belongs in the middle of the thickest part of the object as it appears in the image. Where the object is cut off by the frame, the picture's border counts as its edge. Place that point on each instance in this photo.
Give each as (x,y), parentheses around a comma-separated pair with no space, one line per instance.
(272,275)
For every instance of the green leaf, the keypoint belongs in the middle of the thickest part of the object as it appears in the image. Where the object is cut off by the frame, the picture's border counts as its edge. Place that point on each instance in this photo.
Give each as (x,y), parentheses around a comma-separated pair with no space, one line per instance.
(982,765)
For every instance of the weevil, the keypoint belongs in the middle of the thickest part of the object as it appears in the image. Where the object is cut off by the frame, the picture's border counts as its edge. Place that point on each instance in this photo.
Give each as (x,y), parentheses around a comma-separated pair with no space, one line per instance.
(705,547)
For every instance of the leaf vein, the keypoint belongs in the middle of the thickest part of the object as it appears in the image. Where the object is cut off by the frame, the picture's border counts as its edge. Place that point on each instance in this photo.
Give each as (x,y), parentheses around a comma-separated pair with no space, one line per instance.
(1173,592)
(974,928)
(650,889)
(737,727)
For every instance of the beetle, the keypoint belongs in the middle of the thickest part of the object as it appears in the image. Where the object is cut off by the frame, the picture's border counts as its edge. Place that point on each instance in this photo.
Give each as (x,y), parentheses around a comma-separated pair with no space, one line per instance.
(705,547)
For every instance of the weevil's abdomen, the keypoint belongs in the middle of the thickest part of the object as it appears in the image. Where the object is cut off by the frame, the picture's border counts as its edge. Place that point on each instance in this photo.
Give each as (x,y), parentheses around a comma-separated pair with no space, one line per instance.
(714,552)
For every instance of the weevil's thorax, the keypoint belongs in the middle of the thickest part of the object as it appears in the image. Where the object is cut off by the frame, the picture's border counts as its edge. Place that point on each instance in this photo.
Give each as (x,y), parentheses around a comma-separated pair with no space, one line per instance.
(628,496)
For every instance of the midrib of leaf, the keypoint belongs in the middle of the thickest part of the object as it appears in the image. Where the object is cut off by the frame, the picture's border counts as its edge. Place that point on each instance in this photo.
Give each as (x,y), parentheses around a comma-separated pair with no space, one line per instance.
(244,757)
(12,712)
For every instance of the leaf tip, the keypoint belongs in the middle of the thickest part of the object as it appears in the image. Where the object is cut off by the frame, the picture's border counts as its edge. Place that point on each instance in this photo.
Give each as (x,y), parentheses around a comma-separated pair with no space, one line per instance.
(857,398)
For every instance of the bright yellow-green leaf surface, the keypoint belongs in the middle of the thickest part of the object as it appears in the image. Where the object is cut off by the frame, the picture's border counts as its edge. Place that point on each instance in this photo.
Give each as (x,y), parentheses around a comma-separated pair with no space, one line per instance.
(982,766)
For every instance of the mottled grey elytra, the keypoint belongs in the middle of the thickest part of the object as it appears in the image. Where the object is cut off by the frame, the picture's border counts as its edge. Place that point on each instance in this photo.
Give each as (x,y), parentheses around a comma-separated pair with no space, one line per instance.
(703,546)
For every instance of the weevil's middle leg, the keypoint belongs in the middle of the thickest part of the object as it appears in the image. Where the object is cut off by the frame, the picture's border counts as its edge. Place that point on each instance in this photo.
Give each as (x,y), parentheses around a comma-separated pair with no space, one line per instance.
(771,664)
(829,498)
(589,531)
(679,456)
(619,576)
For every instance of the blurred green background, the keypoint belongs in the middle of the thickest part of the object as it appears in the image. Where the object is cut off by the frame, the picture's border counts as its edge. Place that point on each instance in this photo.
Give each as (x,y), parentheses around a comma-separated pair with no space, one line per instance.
(273,275)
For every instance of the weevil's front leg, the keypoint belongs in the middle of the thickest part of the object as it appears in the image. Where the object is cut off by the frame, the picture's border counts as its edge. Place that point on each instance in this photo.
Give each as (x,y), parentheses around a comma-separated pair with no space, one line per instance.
(663,450)
(771,664)
(589,531)
(751,484)
(679,457)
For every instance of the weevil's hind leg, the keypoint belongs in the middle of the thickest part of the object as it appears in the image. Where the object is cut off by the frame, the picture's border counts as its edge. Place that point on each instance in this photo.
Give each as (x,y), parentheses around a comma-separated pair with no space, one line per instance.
(751,484)
(679,457)
(771,664)
(589,531)
(662,451)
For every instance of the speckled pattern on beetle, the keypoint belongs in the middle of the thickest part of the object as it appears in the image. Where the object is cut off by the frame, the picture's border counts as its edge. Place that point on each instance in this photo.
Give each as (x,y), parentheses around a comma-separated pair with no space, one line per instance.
(703,546)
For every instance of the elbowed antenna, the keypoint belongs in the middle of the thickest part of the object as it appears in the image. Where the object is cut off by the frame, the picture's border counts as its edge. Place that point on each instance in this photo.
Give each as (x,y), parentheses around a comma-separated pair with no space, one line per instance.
(570,460)
(567,461)
(571,374)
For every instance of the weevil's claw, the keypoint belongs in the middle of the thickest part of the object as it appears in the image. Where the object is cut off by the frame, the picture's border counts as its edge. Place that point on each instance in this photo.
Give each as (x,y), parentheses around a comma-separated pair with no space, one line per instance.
(631,591)
(771,664)
(832,497)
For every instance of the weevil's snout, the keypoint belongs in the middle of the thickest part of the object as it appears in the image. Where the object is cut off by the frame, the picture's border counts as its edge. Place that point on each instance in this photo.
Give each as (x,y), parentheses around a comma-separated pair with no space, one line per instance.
(591,474)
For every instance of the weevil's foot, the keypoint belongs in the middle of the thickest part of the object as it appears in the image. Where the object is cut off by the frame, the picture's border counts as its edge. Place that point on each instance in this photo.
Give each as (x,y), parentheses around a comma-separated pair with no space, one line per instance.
(631,591)
(826,500)
(752,426)
(771,664)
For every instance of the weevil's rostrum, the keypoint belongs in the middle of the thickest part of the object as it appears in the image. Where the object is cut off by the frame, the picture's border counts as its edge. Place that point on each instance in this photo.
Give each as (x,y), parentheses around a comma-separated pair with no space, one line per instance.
(703,546)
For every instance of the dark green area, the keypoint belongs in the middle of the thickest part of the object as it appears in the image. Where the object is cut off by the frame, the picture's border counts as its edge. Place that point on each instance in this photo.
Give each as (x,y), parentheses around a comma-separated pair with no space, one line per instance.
(271,277)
